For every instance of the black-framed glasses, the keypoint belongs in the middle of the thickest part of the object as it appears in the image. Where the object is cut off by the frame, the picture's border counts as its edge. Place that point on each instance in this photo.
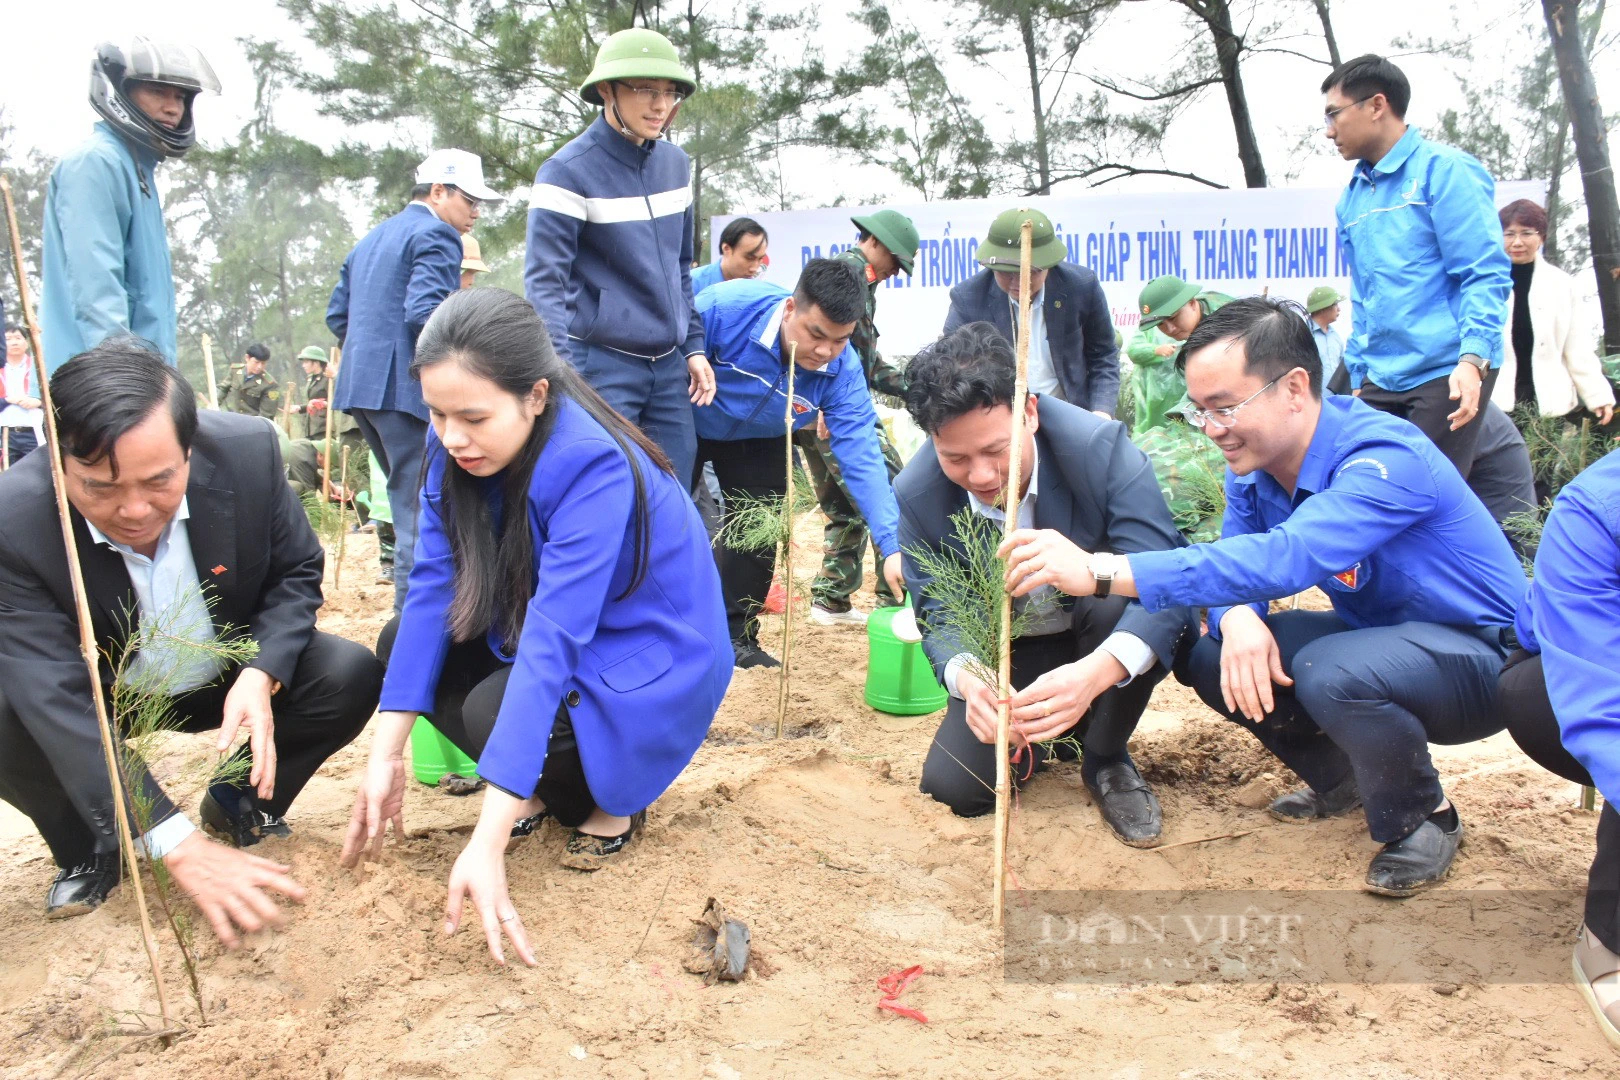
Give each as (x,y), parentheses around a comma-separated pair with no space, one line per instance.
(1330,117)
(650,95)
(1226,416)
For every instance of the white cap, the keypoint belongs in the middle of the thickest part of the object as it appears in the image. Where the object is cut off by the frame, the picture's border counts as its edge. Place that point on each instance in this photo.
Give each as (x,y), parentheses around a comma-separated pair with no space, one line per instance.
(458,167)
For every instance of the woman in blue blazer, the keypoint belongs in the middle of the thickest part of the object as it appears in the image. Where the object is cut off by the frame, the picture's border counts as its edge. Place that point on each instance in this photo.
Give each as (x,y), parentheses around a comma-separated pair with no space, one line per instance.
(563,623)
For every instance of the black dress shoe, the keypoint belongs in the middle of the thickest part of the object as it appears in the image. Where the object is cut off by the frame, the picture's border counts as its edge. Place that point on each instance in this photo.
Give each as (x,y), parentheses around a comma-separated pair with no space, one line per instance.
(1127,804)
(1307,804)
(243,828)
(749,654)
(81,889)
(1415,863)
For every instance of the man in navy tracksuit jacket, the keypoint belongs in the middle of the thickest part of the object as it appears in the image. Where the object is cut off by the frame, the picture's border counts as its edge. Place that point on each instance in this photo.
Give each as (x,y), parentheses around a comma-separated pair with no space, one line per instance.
(609,255)
(752,328)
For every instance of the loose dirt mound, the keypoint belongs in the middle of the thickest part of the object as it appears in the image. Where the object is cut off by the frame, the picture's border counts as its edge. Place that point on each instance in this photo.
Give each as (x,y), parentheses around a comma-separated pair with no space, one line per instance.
(844,872)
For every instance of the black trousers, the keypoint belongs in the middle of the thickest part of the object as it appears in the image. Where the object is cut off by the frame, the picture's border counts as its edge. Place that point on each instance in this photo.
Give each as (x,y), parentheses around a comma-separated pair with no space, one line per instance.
(749,468)
(466,704)
(332,695)
(1522,698)
(1368,701)
(19,441)
(960,771)
(1427,405)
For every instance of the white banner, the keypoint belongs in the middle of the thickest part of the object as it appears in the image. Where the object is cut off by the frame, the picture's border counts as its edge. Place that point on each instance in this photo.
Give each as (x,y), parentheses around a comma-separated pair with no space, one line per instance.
(1241,242)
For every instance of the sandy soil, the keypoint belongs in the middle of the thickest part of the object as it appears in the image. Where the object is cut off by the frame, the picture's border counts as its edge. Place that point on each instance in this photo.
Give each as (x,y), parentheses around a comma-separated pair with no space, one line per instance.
(822,843)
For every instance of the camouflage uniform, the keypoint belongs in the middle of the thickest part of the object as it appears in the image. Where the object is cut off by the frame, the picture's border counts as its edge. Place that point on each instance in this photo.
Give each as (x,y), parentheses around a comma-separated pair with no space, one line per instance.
(317,387)
(251,395)
(845,537)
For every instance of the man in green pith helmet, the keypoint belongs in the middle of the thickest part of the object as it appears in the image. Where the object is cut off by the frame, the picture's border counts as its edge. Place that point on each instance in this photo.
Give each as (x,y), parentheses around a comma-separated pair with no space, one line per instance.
(1171,310)
(317,392)
(1323,307)
(1071,338)
(250,389)
(886,245)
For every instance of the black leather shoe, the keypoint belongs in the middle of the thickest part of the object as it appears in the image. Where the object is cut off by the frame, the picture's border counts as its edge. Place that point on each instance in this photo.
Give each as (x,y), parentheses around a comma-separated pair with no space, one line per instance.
(749,654)
(1127,804)
(1307,804)
(242,829)
(1415,863)
(81,889)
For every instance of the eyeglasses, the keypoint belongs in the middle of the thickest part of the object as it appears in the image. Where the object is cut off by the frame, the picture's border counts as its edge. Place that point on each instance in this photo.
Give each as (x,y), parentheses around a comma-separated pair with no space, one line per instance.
(1521,234)
(474,203)
(1227,416)
(1330,117)
(650,96)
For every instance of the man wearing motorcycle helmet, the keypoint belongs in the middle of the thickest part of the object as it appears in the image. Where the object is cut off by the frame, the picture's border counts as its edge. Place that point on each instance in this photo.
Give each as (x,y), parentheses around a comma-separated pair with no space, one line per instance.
(106,262)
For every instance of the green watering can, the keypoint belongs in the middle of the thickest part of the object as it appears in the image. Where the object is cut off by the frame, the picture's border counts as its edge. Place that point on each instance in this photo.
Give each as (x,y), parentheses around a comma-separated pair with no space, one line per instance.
(433,755)
(899,678)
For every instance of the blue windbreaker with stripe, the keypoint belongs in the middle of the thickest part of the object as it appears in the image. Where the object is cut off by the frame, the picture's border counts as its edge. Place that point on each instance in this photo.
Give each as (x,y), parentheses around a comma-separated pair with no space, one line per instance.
(610,246)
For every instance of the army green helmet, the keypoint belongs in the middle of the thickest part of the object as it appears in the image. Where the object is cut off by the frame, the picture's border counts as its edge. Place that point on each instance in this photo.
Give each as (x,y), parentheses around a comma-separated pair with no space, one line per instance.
(636,54)
(1002,247)
(315,353)
(1322,296)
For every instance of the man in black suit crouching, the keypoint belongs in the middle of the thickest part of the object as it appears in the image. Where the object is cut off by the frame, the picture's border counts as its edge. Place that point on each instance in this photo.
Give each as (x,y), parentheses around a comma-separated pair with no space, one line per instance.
(1087,666)
(183,522)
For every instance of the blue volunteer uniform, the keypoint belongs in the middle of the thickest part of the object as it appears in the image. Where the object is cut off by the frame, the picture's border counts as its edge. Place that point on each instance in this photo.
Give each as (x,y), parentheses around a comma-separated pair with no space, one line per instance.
(741,432)
(1423,586)
(608,267)
(706,275)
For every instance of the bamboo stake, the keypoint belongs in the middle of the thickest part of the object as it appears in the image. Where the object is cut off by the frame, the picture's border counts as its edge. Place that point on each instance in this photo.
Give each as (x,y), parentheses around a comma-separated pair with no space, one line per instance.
(337,568)
(87,639)
(787,553)
(326,455)
(208,368)
(286,411)
(1009,503)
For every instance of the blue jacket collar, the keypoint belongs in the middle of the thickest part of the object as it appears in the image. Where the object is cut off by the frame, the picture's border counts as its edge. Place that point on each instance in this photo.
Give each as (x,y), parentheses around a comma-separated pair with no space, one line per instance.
(1398,155)
(141,155)
(605,136)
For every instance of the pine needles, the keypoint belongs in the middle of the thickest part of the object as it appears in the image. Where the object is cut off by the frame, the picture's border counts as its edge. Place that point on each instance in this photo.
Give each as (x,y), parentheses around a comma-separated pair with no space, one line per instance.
(161,654)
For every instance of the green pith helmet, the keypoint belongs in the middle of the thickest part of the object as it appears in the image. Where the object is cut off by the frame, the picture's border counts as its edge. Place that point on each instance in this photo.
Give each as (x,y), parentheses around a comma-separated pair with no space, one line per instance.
(1321,297)
(1001,248)
(314,352)
(1163,297)
(636,54)
(894,231)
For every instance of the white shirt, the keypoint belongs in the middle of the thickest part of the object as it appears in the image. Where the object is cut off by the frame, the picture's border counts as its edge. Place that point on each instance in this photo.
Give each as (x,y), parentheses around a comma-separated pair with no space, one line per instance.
(19,383)
(170,606)
(1042,372)
(1133,654)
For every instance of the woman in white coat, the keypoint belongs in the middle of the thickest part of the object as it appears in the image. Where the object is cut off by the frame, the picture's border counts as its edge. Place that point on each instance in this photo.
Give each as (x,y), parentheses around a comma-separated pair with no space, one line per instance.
(1549,360)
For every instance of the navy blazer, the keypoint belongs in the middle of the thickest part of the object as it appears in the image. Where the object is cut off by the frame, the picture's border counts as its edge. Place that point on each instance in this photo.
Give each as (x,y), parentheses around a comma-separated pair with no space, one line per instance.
(1096,488)
(391,282)
(1079,329)
(643,675)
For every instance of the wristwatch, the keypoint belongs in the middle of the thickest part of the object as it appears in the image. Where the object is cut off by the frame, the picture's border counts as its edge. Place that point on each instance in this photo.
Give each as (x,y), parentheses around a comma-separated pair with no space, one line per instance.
(1102,569)
(1478,361)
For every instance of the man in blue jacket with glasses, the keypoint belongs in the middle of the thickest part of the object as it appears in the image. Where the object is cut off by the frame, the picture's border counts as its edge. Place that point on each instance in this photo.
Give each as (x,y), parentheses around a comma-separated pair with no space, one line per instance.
(753,328)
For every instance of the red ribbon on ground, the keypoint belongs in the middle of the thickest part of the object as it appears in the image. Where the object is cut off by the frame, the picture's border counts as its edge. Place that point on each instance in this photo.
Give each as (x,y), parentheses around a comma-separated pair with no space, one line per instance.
(893,985)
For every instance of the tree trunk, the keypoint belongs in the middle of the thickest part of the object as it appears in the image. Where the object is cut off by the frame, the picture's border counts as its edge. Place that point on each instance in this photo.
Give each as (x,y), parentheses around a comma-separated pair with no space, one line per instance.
(1043,157)
(1555,178)
(1327,32)
(1592,151)
(1217,15)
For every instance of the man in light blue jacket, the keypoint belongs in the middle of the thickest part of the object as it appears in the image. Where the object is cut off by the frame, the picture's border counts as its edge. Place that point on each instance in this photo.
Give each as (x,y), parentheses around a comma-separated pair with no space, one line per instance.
(1429,276)
(106,261)
(752,329)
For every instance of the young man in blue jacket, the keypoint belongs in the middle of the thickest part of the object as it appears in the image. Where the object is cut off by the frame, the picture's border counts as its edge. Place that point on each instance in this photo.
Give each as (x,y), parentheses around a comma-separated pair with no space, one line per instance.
(395,277)
(1428,272)
(1331,493)
(752,328)
(609,258)
(106,260)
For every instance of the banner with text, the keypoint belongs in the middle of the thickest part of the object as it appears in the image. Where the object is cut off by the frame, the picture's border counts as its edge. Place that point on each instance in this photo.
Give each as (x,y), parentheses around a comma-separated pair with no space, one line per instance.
(1241,242)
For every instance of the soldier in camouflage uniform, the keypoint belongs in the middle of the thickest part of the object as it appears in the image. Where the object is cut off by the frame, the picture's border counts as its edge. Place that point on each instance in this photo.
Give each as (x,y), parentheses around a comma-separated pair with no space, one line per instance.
(250,390)
(887,245)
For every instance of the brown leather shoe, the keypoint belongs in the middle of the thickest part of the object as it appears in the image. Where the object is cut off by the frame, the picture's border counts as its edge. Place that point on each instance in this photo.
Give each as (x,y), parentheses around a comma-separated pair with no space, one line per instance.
(1597,977)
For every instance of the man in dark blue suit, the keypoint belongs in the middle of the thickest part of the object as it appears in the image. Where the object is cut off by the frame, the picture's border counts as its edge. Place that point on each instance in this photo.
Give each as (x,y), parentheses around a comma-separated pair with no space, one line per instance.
(391,282)
(1071,343)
